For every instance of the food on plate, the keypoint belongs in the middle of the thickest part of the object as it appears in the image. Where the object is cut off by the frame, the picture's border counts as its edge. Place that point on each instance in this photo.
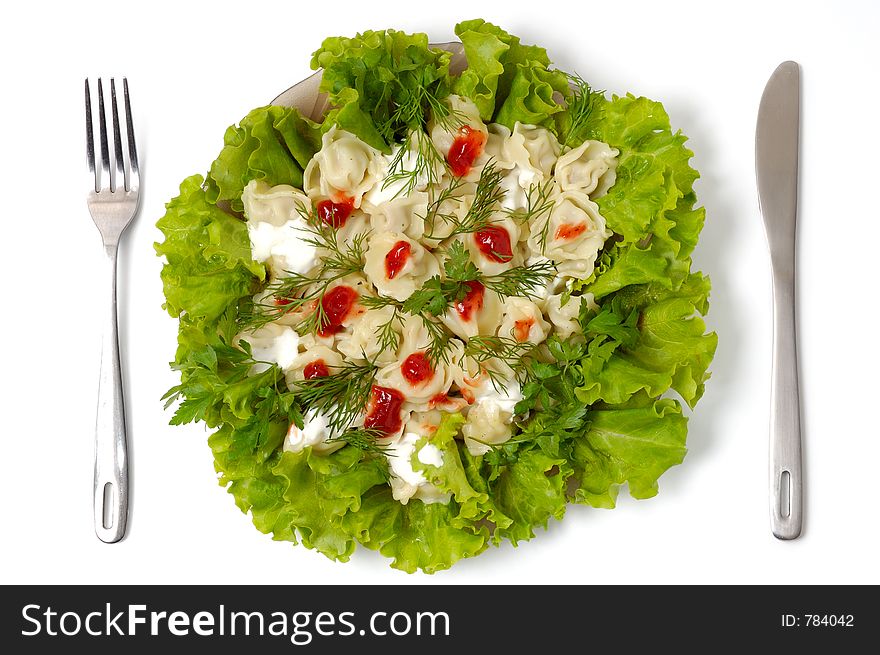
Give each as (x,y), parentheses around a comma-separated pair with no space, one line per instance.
(461,301)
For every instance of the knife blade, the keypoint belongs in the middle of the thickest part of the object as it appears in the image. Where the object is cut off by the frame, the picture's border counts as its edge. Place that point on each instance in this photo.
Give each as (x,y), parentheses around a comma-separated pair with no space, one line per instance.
(776,165)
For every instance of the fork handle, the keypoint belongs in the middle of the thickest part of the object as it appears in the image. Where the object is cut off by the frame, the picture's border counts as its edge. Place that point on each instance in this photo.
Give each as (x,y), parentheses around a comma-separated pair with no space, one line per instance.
(111,456)
(786,481)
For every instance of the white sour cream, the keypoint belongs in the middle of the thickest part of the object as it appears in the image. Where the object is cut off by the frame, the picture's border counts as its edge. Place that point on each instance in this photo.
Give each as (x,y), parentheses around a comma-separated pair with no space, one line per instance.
(516,184)
(382,192)
(406,482)
(283,247)
(315,433)
(272,344)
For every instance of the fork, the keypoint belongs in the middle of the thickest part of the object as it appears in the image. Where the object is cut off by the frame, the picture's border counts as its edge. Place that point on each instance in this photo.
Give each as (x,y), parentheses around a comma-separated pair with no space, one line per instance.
(112,202)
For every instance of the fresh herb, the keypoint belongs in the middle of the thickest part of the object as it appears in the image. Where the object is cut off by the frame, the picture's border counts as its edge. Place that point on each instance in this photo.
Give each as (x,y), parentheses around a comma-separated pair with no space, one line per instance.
(487,351)
(582,105)
(341,397)
(458,265)
(441,341)
(295,291)
(426,162)
(539,205)
(487,196)
(363,439)
(527,281)
(387,333)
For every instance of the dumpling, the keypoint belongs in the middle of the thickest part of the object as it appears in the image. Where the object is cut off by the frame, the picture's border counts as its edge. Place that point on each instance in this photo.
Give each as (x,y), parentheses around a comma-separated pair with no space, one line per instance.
(344,167)
(397,265)
(403,215)
(276,228)
(340,306)
(462,139)
(273,204)
(413,374)
(315,433)
(565,317)
(493,249)
(463,112)
(575,233)
(490,419)
(400,168)
(527,155)
(358,224)
(590,168)
(315,361)
(479,312)
(540,144)
(523,321)
(363,342)
(439,224)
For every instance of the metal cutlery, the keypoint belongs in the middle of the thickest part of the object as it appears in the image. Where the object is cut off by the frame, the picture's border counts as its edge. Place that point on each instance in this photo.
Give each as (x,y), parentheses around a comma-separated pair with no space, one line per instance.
(776,165)
(112,202)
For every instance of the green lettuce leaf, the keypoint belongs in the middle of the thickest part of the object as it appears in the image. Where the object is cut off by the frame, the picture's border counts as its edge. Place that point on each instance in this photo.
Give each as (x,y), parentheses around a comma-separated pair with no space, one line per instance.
(493,57)
(381,83)
(459,475)
(531,97)
(660,344)
(209,265)
(530,491)
(273,144)
(415,536)
(651,207)
(632,445)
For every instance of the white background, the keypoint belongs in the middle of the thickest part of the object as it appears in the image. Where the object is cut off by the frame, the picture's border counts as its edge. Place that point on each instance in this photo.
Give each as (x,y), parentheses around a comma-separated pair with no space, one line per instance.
(194,68)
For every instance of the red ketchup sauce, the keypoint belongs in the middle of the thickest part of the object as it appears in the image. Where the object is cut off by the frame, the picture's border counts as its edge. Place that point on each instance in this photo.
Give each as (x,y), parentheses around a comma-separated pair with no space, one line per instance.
(494,242)
(315,369)
(522,328)
(416,369)
(567,231)
(383,410)
(396,258)
(337,303)
(467,146)
(335,214)
(472,302)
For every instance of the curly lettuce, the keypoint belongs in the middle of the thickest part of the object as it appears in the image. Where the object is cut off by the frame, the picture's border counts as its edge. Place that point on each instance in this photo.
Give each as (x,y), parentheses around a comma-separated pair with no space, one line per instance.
(273,144)
(381,83)
(605,409)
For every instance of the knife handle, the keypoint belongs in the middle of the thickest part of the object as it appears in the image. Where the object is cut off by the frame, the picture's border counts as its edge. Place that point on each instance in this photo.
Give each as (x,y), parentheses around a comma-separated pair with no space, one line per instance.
(786,480)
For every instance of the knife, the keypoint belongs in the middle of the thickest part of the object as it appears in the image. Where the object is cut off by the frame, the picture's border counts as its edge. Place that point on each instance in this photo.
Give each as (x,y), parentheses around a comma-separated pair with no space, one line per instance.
(776,166)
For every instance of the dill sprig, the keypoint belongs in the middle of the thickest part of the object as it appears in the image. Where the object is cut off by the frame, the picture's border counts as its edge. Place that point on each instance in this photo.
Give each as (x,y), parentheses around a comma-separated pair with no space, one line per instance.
(526,281)
(487,196)
(539,204)
(486,350)
(341,397)
(363,439)
(437,348)
(441,341)
(387,333)
(427,162)
(296,291)
(416,100)
(582,106)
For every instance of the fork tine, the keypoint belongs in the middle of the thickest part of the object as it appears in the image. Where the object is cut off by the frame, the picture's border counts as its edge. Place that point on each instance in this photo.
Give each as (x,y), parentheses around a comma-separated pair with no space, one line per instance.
(119,179)
(90,136)
(132,149)
(105,151)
